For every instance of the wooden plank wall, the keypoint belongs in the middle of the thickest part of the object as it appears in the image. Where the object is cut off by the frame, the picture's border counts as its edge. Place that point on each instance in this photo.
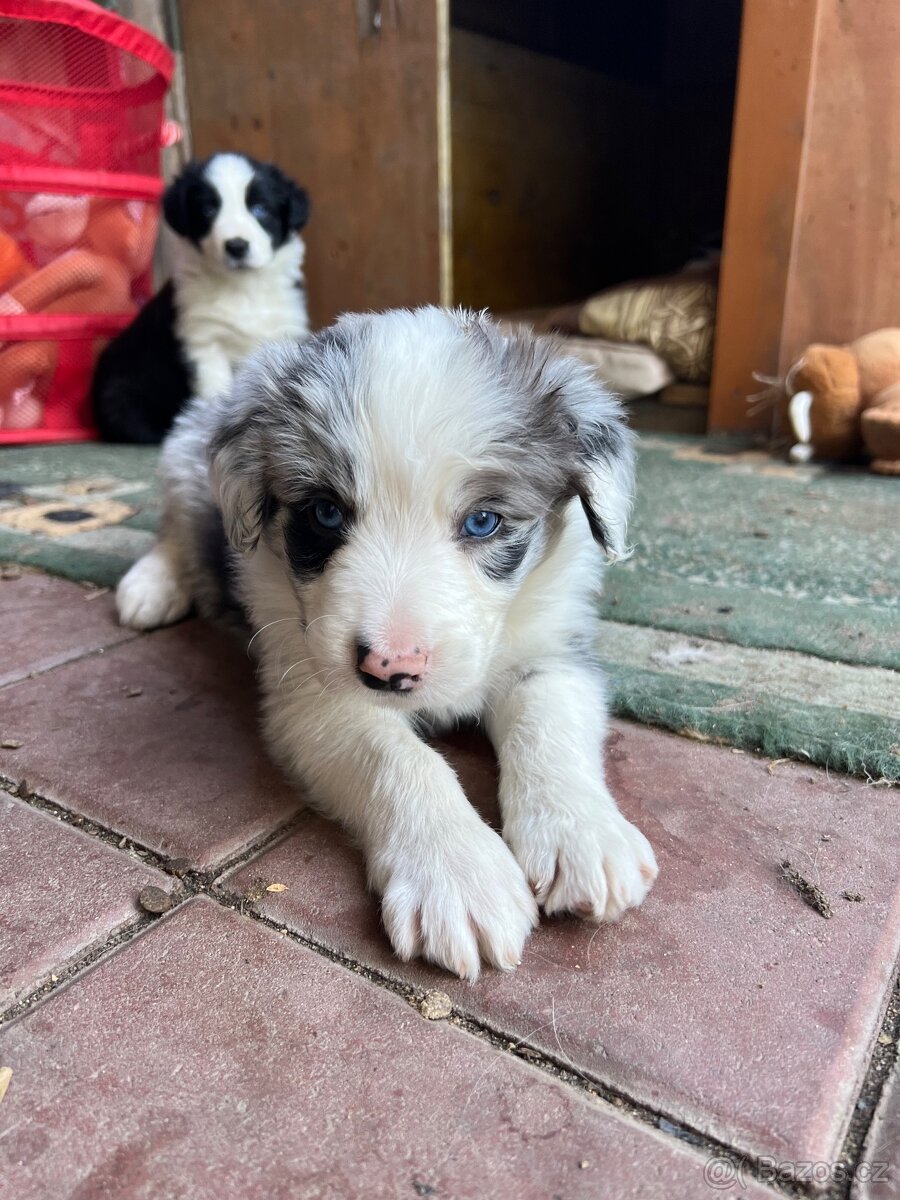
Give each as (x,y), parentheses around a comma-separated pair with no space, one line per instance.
(844,278)
(812,235)
(343,95)
(547,158)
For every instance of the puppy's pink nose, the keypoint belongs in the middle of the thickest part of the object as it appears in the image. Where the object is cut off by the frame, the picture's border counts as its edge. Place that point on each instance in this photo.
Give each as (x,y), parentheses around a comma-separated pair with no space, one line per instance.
(391,672)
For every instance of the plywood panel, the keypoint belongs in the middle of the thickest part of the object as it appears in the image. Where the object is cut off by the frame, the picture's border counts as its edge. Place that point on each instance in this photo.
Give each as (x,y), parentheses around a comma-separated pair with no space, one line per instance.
(343,94)
(844,277)
(767,146)
(812,239)
(547,159)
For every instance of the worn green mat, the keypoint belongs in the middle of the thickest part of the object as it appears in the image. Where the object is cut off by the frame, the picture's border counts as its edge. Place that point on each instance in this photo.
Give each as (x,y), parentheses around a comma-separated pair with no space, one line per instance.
(761,607)
(75,476)
(746,549)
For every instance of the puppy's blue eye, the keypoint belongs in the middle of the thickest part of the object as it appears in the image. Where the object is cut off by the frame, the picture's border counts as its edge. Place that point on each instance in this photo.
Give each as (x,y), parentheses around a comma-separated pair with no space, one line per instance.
(259,211)
(481,524)
(327,515)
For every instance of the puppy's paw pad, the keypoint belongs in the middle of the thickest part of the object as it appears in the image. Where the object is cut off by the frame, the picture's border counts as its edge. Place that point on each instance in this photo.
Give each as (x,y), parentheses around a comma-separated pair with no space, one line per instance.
(457,905)
(597,870)
(150,594)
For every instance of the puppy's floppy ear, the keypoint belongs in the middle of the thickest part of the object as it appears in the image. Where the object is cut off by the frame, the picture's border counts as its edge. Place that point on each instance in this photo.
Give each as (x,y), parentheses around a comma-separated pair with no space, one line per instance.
(584,425)
(293,200)
(176,198)
(175,205)
(237,464)
(297,206)
(604,475)
(605,483)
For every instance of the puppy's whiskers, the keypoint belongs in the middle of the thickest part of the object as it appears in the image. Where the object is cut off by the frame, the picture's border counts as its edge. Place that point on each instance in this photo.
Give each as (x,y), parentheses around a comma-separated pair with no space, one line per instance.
(331,671)
(263,628)
(309,624)
(332,684)
(299,663)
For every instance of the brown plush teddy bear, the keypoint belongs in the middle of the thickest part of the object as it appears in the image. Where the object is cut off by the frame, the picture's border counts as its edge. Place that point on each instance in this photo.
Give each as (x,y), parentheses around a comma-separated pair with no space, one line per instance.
(845,400)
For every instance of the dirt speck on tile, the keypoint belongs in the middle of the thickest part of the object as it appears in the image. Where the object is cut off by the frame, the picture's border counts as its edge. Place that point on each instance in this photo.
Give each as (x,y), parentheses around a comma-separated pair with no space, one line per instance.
(808,892)
(435,1005)
(255,891)
(155,900)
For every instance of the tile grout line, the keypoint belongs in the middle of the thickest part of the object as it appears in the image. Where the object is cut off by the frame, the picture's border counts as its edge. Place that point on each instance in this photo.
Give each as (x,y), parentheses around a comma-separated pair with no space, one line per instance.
(95,653)
(188,883)
(198,878)
(562,1072)
(22,790)
(210,883)
(72,968)
(884,1057)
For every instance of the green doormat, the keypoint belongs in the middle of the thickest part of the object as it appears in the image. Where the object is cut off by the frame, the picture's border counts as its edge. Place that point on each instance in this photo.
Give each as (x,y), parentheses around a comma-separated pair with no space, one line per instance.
(774,702)
(761,607)
(746,549)
(102,500)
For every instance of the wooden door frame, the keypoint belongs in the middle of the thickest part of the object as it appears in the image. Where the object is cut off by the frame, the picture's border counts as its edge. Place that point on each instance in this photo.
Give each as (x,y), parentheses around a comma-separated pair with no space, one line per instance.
(812,230)
(774,72)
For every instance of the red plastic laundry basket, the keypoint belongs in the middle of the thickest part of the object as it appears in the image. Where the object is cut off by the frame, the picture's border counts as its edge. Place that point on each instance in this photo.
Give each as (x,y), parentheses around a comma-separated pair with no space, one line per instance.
(81,122)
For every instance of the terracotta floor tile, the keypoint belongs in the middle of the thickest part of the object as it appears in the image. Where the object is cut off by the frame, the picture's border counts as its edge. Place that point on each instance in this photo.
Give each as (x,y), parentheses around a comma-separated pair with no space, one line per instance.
(48,621)
(725,1001)
(60,891)
(212,1058)
(157,740)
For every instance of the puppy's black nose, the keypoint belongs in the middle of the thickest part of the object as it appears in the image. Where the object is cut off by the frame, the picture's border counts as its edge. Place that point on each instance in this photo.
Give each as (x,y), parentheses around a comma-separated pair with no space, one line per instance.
(363,657)
(391,672)
(237,248)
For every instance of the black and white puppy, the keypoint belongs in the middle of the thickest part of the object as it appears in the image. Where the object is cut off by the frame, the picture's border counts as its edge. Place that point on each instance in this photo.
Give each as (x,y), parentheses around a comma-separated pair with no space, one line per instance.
(237,281)
(413,503)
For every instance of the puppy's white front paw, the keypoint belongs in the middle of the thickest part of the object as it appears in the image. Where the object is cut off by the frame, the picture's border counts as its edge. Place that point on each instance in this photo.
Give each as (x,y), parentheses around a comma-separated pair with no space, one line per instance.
(150,594)
(595,864)
(455,900)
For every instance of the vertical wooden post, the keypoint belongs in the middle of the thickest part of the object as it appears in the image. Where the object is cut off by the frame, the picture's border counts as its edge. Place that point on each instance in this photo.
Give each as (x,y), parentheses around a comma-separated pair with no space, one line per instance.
(844,278)
(777,39)
(812,232)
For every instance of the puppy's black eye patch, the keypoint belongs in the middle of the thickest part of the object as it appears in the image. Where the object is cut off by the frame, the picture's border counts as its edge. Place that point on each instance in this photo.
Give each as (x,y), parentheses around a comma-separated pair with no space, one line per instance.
(501,559)
(313,530)
(500,554)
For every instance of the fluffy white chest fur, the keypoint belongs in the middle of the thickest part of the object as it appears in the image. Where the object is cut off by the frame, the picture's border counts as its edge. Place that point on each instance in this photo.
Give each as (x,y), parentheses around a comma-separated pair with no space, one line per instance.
(224,315)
